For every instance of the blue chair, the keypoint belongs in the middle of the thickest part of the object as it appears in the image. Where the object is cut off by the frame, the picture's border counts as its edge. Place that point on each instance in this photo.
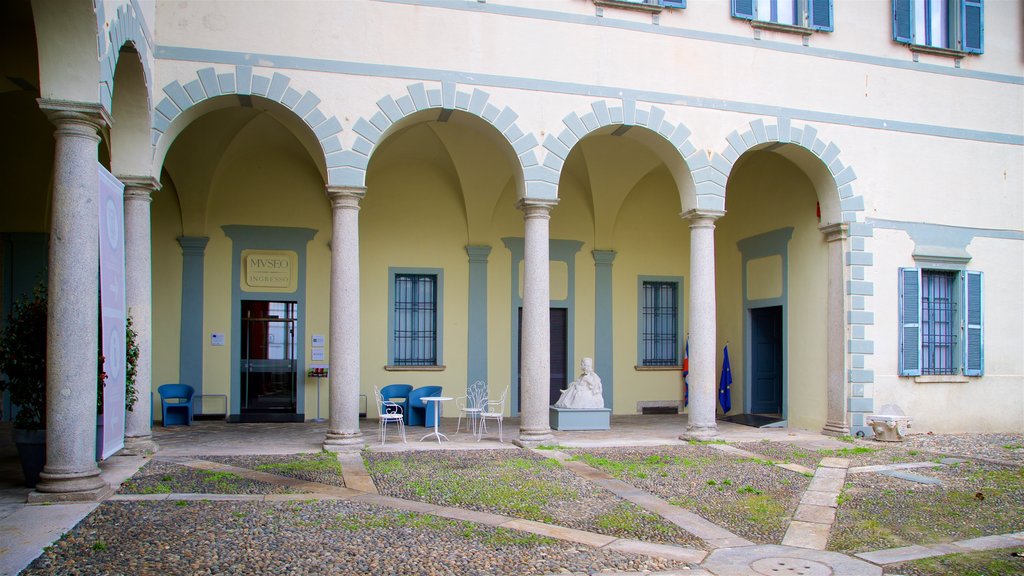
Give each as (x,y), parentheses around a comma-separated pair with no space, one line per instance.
(397,394)
(176,404)
(418,414)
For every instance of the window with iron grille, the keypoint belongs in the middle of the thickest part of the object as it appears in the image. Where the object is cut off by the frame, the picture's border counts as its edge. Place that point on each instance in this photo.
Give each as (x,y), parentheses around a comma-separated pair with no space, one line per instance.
(938,307)
(941,325)
(660,323)
(415,320)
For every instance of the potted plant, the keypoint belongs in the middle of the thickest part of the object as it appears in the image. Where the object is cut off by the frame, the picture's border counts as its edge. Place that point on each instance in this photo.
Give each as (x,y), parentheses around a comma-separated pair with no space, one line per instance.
(23,361)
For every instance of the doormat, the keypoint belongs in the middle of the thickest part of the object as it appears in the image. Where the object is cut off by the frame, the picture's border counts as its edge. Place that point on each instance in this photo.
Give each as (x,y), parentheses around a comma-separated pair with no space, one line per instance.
(755,420)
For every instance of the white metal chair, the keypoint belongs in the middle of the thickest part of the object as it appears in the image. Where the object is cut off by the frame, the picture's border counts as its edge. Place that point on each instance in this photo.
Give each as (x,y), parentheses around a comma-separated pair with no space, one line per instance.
(494,410)
(472,404)
(388,412)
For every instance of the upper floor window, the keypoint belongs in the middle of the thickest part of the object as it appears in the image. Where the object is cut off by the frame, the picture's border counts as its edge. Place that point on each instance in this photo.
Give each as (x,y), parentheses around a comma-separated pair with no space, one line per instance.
(813,14)
(941,322)
(945,24)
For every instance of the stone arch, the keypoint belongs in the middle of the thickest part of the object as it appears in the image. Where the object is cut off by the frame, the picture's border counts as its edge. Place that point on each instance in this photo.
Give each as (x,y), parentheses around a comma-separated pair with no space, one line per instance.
(671,143)
(184,102)
(348,168)
(840,206)
(127,27)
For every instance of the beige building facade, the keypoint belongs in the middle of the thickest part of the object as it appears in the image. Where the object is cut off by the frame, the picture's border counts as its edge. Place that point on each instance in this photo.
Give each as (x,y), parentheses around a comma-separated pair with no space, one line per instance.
(440,192)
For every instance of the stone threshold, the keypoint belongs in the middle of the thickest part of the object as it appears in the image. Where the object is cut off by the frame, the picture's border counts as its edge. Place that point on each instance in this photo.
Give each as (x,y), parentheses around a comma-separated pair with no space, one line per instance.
(916,552)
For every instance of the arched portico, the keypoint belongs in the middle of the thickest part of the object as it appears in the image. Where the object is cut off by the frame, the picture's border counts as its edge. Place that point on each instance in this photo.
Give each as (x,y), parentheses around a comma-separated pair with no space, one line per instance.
(841,224)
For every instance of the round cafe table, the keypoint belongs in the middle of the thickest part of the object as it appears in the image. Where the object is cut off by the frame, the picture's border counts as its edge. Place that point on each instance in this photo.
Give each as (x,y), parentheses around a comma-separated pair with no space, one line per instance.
(437,419)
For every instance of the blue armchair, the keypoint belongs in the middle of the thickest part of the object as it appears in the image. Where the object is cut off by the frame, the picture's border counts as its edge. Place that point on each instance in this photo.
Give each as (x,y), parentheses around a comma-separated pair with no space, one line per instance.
(176,404)
(418,414)
(397,393)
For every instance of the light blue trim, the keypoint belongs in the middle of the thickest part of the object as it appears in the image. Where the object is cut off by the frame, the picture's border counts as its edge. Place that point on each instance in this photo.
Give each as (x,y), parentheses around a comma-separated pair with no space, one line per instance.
(558,251)
(439,273)
(190,354)
(550,15)
(580,89)
(680,314)
(604,333)
(771,243)
(244,237)
(476,352)
(954,237)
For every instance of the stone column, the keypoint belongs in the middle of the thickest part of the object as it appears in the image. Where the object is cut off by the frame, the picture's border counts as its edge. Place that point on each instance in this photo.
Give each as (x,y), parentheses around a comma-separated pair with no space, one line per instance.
(72,346)
(703,328)
(138,250)
(836,423)
(535,376)
(343,432)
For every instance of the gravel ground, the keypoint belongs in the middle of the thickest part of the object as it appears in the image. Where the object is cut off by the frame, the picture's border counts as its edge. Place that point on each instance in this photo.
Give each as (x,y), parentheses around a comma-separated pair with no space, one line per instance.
(752,499)
(991,563)
(322,467)
(158,477)
(1001,447)
(324,537)
(859,453)
(521,484)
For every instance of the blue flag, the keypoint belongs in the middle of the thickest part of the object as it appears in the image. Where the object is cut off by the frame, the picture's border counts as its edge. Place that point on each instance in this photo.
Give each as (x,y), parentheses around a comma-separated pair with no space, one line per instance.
(725,383)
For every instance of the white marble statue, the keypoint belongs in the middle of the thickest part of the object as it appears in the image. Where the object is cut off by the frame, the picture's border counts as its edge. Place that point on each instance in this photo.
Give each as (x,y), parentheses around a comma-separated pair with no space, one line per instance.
(585,391)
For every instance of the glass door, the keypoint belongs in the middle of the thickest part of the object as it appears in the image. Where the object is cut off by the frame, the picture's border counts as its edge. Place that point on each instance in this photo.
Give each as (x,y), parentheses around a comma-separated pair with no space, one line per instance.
(268,362)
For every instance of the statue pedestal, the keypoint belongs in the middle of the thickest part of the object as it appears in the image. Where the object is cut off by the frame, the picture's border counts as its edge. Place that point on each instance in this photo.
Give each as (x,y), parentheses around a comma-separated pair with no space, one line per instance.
(580,418)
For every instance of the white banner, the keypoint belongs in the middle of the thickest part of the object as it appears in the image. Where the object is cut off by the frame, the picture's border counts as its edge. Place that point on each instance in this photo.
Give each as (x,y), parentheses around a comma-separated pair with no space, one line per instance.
(113,310)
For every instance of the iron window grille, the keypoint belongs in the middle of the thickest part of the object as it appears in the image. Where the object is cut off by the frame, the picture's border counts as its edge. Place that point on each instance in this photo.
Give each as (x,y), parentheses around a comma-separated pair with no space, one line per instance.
(415,335)
(938,326)
(660,333)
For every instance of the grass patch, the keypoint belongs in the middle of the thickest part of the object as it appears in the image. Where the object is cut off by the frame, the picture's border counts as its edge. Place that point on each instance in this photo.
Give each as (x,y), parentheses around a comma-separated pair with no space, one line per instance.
(100,546)
(761,509)
(310,463)
(629,521)
(847,452)
(988,563)
(223,481)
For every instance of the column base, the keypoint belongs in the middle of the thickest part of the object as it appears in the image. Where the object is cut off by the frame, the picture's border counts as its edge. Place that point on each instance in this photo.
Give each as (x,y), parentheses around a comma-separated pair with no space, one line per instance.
(836,429)
(139,446)
(70,487)
(533,438)
(706,432)
(344,441)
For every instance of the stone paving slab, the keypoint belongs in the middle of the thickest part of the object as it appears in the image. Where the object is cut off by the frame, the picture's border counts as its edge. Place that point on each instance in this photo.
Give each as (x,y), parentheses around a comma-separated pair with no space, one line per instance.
(829,473)
(991,542)
(902,466)
(751,560)
(815,514)
(666,551)
(737,451)
(25,531)
(895,555)
(820,499)
(912,477)
(822,483)
(353,470)
(397,503)
(485,518)
(560,532)
(217,497)
(796,468)
(806,535)
(831,462)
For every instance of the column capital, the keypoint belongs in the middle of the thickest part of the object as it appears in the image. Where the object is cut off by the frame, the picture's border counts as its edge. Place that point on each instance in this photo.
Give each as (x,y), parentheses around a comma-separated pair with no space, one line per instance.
(193,245)
(702,217)
(139,187)
(536,207)
(63,112)
(834,232)
(603,257)
(346,196)
(478,252)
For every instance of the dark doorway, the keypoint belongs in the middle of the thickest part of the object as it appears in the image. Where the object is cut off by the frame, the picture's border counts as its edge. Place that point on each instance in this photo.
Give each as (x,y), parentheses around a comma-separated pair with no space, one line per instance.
(766,361)
(559,328)
(268,363)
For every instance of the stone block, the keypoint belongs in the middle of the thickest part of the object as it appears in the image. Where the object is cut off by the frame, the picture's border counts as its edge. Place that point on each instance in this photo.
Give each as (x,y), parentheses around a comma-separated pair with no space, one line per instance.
(579,418)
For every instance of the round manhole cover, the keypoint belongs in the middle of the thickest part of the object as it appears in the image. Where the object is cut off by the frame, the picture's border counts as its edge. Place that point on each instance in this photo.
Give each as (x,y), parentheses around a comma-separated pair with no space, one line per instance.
(790,567)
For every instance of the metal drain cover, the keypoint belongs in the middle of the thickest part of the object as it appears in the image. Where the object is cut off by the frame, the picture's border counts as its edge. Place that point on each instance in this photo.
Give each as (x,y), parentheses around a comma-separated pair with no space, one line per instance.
(780,566)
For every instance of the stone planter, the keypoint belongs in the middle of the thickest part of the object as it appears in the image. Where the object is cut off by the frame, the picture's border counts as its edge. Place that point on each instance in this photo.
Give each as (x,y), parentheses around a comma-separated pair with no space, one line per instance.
(32,451)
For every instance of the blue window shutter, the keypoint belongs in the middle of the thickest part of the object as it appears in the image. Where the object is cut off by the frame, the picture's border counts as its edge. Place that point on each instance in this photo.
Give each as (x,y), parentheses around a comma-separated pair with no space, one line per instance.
(743,9)
(820,14)
(673,3)
(974,337)
(903,21)
(910,322)
(973,21)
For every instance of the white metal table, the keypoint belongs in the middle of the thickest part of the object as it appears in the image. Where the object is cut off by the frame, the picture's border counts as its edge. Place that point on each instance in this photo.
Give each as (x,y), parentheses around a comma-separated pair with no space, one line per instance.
(437,420)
